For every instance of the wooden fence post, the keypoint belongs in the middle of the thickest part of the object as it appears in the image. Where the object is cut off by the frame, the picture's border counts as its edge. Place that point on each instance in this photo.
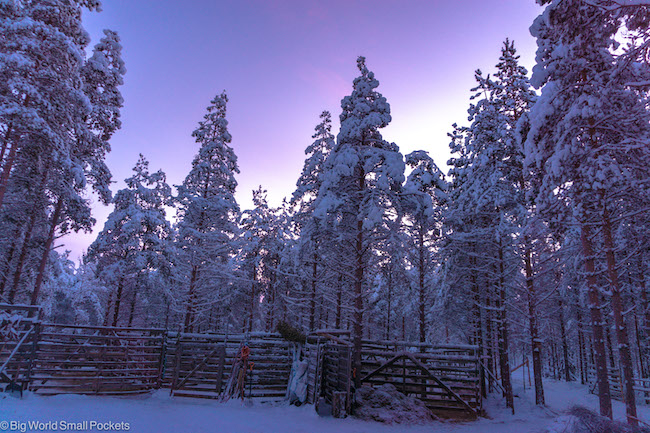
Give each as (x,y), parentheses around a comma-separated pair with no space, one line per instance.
(221,360)
(163,357)
(177,364)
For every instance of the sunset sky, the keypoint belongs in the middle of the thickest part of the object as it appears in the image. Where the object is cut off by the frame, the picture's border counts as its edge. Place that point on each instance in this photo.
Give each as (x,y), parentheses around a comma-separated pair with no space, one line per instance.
(282,63)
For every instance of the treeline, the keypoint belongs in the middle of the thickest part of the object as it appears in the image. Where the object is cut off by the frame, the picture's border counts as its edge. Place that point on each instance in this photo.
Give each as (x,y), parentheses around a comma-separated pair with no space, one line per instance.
(536,244)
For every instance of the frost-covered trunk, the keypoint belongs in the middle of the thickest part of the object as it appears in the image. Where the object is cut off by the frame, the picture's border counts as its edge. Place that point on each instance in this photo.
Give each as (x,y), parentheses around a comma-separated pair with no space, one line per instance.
(390,303)
(312,302)
(565,344)
(421,287)
(46,250)
(251,314)
(358,283)
(22,256)
(189,312)
(339,302)
(489,336)
(600,356)
(10,256)
(504,358)
(5,140)
(477,337)
(133,303)
(621,327)
(639,346)
(581,346)
(536,343)
(645,305)
(7,165)
(107,313)
(118,300)
(271,302)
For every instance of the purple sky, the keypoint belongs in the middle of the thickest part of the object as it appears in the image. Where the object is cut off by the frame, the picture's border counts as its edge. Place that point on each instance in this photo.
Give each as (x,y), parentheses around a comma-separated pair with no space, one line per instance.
(282,63)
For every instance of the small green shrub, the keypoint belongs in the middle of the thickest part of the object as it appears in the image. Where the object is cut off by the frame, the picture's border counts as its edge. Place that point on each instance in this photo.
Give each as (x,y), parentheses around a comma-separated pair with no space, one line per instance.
(291,333)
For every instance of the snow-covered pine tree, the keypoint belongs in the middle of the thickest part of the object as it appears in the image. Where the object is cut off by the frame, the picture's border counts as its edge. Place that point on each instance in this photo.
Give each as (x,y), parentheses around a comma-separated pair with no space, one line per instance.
(72,294)
(102,76)
(513,95)
(588,138)
(134,242)
(485,208)
(311,232)
(208,216)
(46,117)
(361,184)
(423,195)
(257,259)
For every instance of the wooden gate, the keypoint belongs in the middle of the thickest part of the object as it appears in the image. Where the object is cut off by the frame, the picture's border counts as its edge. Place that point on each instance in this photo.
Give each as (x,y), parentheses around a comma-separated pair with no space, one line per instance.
(97,360)
(19,334)
(445,378)
(330,372)
(200,365)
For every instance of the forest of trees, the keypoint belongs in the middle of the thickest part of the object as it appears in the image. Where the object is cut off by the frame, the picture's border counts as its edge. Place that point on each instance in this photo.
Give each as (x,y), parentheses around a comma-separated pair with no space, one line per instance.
(535,244)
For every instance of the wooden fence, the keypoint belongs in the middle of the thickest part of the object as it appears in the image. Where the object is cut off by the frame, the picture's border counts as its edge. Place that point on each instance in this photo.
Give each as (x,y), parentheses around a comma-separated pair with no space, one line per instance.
(55,359)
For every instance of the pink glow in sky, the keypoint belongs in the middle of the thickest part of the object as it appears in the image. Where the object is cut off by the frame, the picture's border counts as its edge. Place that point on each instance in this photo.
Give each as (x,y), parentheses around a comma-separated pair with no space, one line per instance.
(282,63)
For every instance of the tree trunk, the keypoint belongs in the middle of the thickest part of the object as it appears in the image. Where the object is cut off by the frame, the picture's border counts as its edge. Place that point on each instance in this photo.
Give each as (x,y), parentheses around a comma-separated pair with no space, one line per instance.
(488,344)
(600,357)
(645,306)
(565,344)
(339,303)
(621,327)
(118,300)
(477,321)
(536,343)
(581,346)
(251,315)
(108,309)
(7,165)
(167,316)
(312,304)
(10,257)
(189,312)
(6,171)
(639,346)
(5,141)
(21,258)
(421,288)
(46,251)
(504,357)
(133,301)
(358,301)
(390,303)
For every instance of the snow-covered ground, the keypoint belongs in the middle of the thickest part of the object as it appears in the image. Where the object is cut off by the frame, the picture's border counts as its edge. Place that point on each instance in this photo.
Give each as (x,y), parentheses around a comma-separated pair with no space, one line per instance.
(160,413)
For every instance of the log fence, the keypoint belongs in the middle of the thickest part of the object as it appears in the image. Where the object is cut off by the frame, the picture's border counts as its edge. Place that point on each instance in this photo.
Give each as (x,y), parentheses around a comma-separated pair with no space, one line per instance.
(49,358)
